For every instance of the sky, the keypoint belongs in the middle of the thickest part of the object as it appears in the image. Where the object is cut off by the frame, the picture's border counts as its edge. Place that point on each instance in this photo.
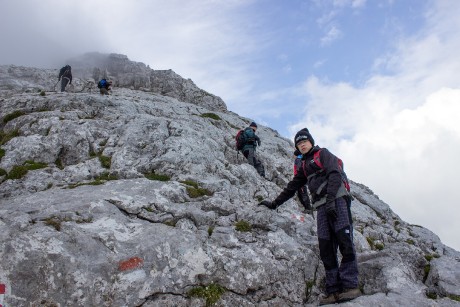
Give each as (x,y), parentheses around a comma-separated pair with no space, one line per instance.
(375,81)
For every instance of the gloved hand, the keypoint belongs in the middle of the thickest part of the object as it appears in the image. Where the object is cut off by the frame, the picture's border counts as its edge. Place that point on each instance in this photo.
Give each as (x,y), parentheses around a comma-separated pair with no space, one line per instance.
(331,211)
(267,204)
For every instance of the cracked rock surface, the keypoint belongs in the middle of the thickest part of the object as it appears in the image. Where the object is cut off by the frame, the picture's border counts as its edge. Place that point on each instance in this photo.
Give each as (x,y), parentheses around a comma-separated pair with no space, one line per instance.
(139,198)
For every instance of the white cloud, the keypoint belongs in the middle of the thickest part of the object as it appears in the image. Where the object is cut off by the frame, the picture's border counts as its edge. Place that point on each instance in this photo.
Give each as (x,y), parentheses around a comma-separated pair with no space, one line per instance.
(332,35)
(399,133)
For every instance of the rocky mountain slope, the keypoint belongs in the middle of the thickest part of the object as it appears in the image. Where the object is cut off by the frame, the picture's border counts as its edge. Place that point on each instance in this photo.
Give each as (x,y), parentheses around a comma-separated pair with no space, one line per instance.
(140,199)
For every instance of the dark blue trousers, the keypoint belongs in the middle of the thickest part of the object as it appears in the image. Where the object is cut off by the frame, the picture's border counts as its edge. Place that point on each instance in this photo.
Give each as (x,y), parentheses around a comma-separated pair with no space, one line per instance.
(333,235)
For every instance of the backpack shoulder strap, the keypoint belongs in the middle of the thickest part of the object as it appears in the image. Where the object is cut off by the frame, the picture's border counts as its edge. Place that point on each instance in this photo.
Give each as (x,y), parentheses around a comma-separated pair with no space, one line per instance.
(317,160)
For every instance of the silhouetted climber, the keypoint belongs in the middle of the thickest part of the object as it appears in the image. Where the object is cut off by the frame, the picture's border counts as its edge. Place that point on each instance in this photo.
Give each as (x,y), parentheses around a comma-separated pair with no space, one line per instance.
(66,74)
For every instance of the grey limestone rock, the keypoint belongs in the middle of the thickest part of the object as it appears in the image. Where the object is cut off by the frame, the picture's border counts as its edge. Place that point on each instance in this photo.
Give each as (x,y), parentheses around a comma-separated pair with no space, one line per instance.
(140,199)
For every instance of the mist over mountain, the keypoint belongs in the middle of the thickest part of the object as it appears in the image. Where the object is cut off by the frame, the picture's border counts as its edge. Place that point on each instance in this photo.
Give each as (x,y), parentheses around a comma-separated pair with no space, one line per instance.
(140,199)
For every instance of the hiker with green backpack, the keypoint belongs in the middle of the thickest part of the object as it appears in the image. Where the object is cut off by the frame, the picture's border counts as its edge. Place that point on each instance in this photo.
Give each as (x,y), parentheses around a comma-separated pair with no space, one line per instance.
(330,196)
(247,141)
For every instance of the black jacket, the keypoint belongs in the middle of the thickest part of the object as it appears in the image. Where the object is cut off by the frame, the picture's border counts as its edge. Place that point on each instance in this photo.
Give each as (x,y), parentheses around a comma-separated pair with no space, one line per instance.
(330,173)
(65,72)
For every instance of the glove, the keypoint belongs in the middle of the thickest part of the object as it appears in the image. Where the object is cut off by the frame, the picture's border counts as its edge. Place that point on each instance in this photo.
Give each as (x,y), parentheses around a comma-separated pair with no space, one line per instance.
(267,204)
(331,211)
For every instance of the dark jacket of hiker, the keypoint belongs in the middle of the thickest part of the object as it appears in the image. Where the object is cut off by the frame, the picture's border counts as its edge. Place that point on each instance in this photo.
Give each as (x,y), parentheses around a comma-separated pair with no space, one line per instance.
(249,148)
(66,74)
(331,174)
(334,220)
(252,139)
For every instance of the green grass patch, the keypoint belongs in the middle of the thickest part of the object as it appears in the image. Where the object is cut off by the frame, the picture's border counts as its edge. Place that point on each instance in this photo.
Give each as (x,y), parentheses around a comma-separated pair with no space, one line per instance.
(11,116)
(59,163)
(454,297)
(243,226)
(210,293)
(32,165)
(431,295)
(106,176)
(379,246)
(211,115)
(411,242)
(190,183)
(3,172)
(158,177)
(84,220)
(259,198)
(17,172)
(210,230)
(42,93)
(5,137)
(98,180)
(53,222)
(2,153)
(371,242)
(426,271)
(106,162)
(170,223)
(198,192)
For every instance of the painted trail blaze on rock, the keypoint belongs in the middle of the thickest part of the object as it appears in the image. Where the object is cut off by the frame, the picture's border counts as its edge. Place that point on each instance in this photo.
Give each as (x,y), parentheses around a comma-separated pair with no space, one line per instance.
(298,217)
(131,263)
(2,293)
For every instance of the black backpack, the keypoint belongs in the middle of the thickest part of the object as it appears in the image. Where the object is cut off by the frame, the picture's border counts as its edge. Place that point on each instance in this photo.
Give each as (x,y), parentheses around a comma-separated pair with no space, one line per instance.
(64,72)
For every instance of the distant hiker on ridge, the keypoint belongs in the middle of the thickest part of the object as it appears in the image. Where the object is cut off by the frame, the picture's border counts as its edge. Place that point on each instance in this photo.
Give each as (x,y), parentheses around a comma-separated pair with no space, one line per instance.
(66,74)
(329,188)
(104,86)
(247,141)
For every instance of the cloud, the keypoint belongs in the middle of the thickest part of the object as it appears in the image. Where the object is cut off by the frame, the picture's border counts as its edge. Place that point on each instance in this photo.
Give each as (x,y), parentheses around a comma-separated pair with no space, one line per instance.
(332,35)
(399,132)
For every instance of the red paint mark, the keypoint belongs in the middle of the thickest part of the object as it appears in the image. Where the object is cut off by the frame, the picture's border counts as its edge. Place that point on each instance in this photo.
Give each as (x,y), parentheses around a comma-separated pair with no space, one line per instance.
(2,292)
(298,217)
(131,263)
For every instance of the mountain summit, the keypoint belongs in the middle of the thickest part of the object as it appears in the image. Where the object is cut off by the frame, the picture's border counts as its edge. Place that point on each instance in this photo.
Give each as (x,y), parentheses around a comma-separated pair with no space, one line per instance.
(140,199)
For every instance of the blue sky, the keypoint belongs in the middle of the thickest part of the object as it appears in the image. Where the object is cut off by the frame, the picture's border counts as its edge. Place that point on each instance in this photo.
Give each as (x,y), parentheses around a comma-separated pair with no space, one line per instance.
(374,81)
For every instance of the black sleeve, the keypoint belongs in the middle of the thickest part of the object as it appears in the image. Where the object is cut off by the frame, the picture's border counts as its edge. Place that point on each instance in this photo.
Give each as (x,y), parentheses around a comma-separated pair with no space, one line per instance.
(257,140)
(333,177)
(296,183)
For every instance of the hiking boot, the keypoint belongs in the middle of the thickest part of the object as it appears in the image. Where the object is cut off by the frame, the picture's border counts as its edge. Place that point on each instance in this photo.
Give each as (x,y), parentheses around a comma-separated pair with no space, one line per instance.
(349,294)
(329,299)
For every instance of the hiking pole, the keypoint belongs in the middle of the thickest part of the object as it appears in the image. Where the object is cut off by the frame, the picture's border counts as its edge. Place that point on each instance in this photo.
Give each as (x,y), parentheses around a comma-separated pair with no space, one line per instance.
(54,87)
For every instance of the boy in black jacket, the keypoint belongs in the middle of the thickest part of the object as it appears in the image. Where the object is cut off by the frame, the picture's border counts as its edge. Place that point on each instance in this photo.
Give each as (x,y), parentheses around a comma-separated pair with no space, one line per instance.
(334,222)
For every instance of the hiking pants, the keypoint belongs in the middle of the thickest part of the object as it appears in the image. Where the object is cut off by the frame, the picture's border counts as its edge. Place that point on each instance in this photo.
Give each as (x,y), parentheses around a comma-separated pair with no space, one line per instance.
(64,81)
(333,235)
(250,154)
